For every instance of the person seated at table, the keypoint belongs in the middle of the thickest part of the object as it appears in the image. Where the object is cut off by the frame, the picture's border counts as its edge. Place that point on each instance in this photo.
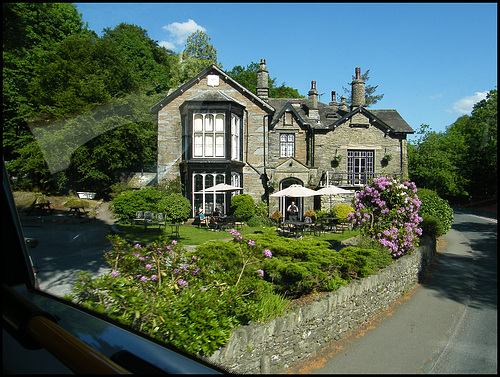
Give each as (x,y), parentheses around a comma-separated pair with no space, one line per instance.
(203,218)
(216,212)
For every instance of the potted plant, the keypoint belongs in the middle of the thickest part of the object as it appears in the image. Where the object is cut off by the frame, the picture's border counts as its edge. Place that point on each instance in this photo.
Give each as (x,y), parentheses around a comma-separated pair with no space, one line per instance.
(336,160)
(387,157)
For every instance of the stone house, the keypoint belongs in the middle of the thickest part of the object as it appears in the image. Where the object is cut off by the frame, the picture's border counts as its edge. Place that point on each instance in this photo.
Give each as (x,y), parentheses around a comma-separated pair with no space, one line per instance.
(211,130)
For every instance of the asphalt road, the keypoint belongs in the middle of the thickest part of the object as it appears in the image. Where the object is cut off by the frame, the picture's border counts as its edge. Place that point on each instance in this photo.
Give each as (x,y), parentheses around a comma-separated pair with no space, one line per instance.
(65,248)
(446,324)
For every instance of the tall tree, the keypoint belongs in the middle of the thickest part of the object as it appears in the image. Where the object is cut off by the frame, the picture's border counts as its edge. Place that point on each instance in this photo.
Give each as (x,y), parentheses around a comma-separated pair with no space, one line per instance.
(197,55)
(370,97)
(463,159)
(28,30)
(149,62)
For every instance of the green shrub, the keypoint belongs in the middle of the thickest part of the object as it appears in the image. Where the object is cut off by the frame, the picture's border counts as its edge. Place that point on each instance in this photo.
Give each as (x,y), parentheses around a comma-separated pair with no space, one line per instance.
(127,203)
(353,262)
(310,213)
(243,206)
(341,211)
(438,208)
(276,216)
(176,208)
(431,226)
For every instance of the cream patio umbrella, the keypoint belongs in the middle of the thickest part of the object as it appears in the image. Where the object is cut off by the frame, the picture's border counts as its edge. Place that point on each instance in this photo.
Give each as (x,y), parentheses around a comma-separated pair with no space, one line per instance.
(221,187)
(332,190)
(295,191)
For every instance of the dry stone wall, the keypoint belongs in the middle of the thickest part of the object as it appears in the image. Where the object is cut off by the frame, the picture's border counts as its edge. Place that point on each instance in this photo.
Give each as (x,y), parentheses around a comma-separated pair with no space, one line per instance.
(282,343)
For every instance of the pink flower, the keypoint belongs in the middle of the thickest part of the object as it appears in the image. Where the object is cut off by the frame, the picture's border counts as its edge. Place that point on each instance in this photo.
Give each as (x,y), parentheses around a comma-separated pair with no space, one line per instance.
(261,272)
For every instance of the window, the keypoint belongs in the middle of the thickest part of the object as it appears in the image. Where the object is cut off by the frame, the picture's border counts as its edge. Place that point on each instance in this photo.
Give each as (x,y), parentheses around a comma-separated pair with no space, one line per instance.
(208,135)
(360,166)
(287,145)
(235,137)
(208,201)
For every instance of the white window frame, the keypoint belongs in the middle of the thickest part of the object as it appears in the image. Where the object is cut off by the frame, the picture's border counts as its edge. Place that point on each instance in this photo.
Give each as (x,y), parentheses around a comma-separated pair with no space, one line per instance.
(235,137)
(208,135)
(287,145)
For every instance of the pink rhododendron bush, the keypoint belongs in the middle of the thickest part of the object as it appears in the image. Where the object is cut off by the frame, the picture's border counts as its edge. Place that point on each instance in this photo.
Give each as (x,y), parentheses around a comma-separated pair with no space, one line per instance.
(387,211)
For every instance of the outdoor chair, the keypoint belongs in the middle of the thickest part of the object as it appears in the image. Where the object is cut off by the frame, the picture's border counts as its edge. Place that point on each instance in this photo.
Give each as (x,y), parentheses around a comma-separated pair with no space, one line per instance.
(138,218)
(212,224)
(161,219)
(308,225)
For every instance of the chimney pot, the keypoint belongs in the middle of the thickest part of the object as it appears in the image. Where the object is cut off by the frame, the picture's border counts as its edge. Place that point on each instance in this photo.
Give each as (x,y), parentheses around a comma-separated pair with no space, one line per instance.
(358,73)
(313,84)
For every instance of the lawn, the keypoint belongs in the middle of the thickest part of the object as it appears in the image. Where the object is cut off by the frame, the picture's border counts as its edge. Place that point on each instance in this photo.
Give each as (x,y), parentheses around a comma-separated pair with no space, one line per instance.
(192,235)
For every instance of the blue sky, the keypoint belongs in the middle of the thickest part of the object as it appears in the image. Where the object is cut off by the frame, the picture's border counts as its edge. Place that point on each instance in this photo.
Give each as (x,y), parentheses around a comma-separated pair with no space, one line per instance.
(431,61)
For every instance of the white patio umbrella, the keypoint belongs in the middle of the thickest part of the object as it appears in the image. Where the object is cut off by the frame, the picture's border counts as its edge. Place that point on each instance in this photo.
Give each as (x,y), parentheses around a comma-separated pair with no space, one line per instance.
(221,187)
(295,191)
(332,190)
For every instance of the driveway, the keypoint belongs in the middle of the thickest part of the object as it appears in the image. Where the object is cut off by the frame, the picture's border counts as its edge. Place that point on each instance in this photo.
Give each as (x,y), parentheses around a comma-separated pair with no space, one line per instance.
(67,245)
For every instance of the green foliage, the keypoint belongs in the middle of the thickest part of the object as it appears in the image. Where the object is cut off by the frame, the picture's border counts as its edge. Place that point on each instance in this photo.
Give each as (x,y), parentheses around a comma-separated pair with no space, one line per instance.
(370,97)
(431,226)
(388,211)
(276,216)
(353,262)
(248,78)
(310,213)
(149,63)
(438,209)
(196,56)
(243,206)
(342,211)
(463,159)
(176,207)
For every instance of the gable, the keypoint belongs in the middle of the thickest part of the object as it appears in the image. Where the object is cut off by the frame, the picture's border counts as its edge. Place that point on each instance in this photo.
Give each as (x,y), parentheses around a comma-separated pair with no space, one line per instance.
(212,74)
(388,121)
(292,165)
(284,119)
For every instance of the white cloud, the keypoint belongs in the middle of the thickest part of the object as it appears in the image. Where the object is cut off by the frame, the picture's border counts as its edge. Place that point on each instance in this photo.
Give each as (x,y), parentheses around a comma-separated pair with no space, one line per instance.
(179,32)
(167,45)
(466,104)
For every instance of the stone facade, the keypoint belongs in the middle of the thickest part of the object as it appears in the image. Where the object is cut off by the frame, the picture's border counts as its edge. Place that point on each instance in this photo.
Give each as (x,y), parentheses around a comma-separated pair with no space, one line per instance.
(324,144)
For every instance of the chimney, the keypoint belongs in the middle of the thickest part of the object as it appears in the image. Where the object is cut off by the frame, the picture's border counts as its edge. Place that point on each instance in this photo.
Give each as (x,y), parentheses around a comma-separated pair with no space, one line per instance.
(334,102)
(343,104)
(313,96)
(263,81)
(358,90)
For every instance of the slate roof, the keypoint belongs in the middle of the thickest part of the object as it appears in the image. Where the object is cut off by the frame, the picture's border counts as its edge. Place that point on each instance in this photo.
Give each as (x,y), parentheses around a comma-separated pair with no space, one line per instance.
(211,69)
(329,117)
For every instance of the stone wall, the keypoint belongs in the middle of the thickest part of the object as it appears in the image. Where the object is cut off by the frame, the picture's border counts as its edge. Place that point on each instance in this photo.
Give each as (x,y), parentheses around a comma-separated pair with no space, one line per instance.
(284,342)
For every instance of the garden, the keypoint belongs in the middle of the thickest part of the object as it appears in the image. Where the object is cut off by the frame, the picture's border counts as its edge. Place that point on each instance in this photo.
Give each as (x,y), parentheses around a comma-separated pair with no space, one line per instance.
(193,298)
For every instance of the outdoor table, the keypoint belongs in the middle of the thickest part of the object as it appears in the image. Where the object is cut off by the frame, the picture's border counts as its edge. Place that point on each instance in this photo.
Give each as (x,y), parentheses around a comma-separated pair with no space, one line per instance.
(175,229)
(43,207)
(76,210)
(331,222)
